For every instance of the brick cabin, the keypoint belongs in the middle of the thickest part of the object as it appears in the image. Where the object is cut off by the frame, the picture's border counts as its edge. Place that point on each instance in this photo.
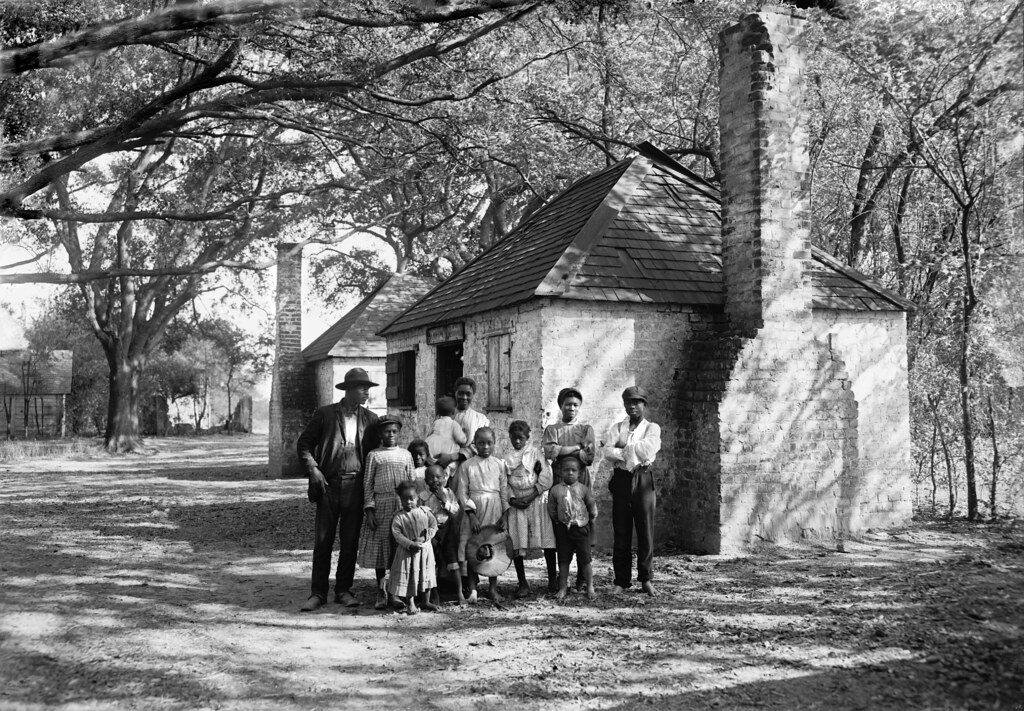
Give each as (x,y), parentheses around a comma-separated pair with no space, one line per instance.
(778,375)
(34,391)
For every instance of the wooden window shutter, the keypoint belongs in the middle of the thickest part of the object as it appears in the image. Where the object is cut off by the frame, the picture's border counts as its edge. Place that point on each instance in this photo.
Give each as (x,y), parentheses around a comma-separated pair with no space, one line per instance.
(392,368)
(499,372)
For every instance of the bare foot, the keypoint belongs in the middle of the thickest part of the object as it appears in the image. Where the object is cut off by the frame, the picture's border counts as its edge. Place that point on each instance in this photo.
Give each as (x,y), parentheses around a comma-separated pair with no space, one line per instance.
(471,598)
(411,609)
(649,589)
(462,599)
(430,607)
(562,592)
(591,593)
(618,590)
(523,591)
(495,595)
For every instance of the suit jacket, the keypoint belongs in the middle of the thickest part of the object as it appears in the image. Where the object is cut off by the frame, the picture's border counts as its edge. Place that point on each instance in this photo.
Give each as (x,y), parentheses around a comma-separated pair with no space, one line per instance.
(320,444)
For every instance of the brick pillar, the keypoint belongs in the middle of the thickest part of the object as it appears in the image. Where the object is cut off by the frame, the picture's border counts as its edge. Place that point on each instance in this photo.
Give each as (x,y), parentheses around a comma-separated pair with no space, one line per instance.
(291,393)
(764,152)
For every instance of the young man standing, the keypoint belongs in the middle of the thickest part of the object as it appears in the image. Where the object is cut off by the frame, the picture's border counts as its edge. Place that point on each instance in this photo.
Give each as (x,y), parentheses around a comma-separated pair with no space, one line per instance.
(333,449)
(631,445)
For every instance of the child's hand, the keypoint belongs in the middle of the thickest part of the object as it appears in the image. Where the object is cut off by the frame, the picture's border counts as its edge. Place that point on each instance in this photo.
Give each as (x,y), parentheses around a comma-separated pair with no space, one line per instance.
(537,468)
(474,522)
(371,518)
(415,547)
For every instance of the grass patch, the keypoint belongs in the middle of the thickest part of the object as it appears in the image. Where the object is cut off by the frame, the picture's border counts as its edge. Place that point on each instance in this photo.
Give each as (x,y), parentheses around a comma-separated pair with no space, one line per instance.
(18,450)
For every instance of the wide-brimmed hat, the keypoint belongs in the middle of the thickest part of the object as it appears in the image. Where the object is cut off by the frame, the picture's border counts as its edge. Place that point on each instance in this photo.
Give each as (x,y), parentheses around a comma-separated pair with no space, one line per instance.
(355,378)
(489,551)
(634,392)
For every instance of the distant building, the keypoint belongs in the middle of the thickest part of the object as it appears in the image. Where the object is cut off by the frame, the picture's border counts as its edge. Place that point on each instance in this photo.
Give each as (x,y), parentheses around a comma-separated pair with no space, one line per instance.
(34,391)
(353,342)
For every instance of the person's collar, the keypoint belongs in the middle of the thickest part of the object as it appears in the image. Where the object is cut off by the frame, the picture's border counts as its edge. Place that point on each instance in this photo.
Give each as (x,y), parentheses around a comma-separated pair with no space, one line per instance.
(573,421)
(346,410)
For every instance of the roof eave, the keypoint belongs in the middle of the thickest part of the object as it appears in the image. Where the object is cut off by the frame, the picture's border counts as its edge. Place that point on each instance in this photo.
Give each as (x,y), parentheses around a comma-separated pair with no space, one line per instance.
(902,302)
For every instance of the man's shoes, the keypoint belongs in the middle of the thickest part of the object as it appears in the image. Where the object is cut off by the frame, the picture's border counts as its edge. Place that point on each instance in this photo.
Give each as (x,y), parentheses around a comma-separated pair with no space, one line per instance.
(347,599)
(315,602)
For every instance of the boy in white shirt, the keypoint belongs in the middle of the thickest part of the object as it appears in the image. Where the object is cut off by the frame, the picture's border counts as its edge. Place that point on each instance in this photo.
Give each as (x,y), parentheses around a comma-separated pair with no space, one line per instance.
(632,445)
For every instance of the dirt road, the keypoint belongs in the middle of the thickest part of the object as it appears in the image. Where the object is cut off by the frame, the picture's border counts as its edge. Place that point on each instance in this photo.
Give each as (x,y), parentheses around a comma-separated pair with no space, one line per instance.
(173,581)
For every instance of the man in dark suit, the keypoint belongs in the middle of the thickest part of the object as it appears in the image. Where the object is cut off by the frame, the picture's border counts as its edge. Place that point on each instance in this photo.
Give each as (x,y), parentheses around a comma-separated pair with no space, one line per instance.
(333,448)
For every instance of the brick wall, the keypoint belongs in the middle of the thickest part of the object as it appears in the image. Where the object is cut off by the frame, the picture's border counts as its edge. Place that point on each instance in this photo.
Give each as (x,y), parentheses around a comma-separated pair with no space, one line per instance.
(603,348)
(873,345)
(292,396)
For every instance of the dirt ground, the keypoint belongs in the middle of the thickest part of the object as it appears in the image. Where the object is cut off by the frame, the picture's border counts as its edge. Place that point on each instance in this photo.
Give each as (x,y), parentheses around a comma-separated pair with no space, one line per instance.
(173,580)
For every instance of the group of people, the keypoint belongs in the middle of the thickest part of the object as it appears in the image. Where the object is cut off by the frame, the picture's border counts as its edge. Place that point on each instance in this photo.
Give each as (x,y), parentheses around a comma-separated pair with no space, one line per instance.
(417,510)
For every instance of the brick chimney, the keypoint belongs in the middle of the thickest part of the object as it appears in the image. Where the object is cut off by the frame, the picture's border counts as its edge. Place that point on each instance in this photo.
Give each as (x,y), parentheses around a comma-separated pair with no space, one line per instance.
(291,393)
(765,186)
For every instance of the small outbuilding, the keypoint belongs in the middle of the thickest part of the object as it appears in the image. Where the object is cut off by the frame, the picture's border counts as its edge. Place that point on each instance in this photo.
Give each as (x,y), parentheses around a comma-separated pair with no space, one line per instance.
(352,342)
(778,375)
(34,389)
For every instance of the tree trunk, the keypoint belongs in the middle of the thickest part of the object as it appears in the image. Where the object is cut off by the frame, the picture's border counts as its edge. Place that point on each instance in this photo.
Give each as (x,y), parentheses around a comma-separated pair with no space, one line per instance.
(947,455)
(931,466)
(995,460)
(862,206)
(969,302)
(123,432)
(897,232)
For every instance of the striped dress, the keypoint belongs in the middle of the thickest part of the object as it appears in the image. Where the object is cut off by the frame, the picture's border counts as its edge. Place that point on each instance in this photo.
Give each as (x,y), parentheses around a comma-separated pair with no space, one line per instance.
(385,468)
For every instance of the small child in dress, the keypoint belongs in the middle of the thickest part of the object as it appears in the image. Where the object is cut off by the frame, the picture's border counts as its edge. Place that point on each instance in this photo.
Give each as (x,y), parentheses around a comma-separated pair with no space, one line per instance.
(482,489)
(529,526)
(448,436)
(386,466)
(572,509)
(420,459)
(445,506)
(412,572)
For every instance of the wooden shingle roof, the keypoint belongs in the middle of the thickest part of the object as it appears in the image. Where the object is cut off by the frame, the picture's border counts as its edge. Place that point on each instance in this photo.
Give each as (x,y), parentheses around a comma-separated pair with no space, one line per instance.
(354,335)
(644,230)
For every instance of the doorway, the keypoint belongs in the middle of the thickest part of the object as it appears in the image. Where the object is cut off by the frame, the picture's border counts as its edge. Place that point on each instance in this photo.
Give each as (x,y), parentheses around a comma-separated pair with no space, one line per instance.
(449,367)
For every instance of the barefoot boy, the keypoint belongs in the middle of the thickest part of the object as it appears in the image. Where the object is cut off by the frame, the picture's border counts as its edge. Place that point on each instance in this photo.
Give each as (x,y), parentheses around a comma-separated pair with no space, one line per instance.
(572,509)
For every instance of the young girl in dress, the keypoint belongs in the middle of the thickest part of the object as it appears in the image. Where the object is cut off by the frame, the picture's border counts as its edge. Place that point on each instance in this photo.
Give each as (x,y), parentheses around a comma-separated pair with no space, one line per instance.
(412,572)
(483,495)
(447,437)
(420,458)
(385,468)
(529,526)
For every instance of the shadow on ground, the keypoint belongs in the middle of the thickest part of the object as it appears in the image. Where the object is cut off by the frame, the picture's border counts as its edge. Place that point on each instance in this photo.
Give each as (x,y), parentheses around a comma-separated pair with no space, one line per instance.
(167,586)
